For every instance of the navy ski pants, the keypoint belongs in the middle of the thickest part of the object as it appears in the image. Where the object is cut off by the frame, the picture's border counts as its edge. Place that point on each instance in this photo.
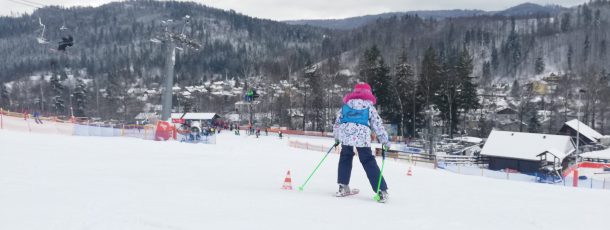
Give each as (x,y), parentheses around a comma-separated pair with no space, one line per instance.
(368,162)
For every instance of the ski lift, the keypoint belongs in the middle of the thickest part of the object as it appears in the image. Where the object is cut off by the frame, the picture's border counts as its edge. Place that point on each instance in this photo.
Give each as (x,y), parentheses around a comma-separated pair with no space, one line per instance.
(65,42)
(41,39)
(187,20)
(63,26)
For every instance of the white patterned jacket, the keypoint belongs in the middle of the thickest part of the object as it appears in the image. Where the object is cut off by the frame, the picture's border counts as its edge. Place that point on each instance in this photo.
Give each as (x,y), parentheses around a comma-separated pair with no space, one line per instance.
(357,135)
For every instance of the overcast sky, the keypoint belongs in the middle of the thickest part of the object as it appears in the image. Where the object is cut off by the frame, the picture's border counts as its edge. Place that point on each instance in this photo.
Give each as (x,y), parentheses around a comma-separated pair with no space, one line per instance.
(307,9)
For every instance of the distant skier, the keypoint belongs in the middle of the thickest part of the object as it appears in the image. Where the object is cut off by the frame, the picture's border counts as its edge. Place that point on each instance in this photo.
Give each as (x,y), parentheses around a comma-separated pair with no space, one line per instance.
(37,117)
(353,129)
(258,132)
(266,131)
(279,134)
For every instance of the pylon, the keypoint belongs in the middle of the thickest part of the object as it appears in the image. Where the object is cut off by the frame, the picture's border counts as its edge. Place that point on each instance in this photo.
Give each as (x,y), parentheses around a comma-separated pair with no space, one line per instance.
(409,173)
(287,182)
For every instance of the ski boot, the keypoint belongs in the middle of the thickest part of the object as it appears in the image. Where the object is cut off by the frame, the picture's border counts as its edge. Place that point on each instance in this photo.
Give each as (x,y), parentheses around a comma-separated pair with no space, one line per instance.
(343,190)
(383,196)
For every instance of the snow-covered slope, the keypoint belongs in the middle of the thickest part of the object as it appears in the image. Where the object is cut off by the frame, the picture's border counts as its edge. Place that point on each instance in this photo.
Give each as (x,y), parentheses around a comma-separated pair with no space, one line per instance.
(59,182)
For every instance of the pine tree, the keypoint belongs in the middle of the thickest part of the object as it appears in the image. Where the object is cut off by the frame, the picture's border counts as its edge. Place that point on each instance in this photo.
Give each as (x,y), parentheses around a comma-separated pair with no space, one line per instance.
(80,98)
(368,63)
(586,50)
(533,125)
(115,94)
(5,99)
(486,74)
(429,77)
(57,91)
(468,90)
(565,22)
(405,85)
(316,99)
(515,90)
(513,47)
(381,85)
(495,61)
(603,49)
(539,65)
(570,57)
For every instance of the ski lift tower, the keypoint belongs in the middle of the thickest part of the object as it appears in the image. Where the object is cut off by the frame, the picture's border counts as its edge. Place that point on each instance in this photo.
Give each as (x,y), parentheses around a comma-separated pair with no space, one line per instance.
(171,42)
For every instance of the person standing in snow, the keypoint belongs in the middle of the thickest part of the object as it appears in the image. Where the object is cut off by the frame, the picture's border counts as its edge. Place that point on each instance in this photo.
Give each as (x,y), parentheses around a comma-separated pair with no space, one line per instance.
(37,117)
(352,128)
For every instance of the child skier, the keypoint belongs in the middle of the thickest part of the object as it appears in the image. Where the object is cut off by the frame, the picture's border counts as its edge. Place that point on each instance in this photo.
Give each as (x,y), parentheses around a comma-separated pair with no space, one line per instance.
(353,129)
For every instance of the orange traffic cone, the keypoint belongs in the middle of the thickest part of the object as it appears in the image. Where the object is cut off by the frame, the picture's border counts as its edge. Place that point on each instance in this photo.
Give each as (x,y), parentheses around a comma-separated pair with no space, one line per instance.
(409,173)
(287,182)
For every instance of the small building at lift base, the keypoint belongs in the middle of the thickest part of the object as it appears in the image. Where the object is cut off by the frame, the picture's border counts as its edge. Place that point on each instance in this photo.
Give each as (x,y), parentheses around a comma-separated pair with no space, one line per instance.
(521,151)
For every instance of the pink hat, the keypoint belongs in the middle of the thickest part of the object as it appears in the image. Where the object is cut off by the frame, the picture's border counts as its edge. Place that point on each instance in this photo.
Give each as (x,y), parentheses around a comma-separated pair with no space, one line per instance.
(361,91)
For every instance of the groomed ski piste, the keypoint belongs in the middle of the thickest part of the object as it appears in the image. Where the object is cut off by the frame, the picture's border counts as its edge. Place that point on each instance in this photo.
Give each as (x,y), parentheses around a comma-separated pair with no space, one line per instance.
(111,183)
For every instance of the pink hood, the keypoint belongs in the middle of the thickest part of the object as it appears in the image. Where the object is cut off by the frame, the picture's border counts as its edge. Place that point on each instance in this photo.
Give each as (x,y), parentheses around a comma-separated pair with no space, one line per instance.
(360,94)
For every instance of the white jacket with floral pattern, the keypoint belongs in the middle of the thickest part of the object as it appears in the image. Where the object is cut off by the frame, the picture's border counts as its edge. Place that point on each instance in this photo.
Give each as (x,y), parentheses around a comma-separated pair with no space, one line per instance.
(357,135)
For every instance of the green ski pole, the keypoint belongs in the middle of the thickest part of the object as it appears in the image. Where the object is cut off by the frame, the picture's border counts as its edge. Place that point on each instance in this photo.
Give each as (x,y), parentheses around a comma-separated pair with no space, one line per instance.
(377,198)
(316,169)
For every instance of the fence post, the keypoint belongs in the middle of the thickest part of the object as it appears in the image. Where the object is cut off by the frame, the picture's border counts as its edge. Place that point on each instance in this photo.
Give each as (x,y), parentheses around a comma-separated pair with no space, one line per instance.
(1,119)
(482,172)
(459,169)
(591,182)
(507,177)
(575,179)
(604,187)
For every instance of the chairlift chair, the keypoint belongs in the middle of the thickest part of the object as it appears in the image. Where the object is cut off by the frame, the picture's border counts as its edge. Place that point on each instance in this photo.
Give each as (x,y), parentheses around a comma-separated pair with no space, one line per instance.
(41,39)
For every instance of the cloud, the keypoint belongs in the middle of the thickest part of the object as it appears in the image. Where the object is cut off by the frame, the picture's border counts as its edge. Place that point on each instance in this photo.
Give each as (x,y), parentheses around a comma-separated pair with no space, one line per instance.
(312,9)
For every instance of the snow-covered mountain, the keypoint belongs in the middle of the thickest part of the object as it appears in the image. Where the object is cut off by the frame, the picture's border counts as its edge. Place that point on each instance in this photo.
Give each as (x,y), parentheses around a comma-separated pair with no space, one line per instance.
(113,51)
(525,9)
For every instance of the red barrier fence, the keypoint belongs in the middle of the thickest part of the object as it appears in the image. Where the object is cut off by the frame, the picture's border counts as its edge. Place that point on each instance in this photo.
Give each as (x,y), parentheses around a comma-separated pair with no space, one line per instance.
(594,165)
(318,134)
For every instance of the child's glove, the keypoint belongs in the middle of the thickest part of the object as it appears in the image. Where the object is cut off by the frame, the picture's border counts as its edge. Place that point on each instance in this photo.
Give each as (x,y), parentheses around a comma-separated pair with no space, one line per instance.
(337,142)
(385,147)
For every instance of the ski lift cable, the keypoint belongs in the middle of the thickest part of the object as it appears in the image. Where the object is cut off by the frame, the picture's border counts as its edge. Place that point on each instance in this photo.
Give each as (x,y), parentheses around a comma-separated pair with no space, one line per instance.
(41,39)
(43,27)
(24,4)
(34,3)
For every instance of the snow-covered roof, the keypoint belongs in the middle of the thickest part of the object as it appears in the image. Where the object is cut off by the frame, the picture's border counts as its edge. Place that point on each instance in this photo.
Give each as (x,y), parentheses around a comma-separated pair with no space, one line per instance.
(603,154)
(475,140)
(195,116)
(584,130)
(526,146)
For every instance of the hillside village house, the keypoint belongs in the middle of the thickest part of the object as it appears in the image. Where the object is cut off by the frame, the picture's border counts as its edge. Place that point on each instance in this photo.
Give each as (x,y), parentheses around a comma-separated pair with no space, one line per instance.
(520,151)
